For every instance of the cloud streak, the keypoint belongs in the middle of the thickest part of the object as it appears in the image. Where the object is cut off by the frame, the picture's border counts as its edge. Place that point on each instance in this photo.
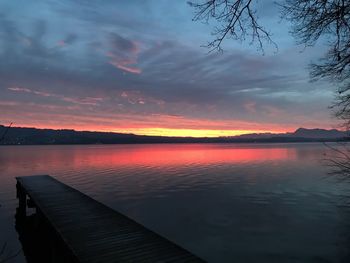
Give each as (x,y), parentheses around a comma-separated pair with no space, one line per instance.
(124,54)
(82,101)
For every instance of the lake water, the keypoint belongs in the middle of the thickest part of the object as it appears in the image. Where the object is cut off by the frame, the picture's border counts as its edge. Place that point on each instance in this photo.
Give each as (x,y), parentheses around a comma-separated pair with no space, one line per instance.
(223,202)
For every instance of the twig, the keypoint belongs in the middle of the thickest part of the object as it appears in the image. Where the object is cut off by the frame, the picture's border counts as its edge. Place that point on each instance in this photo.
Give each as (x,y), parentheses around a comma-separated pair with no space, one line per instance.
(5,132)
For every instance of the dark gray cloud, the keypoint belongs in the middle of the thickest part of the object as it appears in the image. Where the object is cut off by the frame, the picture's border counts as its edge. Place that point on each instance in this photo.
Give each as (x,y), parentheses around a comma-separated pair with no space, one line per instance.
(121,44)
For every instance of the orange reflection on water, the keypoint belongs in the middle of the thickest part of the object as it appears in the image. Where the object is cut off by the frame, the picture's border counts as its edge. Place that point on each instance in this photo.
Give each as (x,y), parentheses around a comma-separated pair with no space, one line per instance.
(24,160)
(178,154)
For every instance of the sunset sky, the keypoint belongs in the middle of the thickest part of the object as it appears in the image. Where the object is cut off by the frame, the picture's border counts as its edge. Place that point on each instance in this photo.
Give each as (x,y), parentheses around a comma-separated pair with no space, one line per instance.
(139,67)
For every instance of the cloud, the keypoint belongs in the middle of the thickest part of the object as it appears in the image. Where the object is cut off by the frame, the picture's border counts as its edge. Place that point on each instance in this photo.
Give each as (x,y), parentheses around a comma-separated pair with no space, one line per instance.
(82,101)
(124,63)
(123,54)
(68,40)
(117,67)
(250,106)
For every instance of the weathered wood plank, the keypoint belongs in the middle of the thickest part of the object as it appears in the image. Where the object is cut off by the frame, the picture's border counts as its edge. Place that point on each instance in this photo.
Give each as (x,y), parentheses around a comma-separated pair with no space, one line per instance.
(94,232)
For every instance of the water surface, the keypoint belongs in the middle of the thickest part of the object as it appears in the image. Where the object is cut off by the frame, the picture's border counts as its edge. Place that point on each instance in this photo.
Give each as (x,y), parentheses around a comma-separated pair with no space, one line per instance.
(223,202)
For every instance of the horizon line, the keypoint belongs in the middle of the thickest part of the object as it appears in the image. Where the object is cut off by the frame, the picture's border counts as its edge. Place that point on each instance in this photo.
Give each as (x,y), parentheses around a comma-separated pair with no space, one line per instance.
(162,132)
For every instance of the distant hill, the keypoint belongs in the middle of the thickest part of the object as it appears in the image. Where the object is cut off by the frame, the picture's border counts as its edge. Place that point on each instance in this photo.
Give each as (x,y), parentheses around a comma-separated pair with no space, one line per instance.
(319,133)
(30,136)
(300,133)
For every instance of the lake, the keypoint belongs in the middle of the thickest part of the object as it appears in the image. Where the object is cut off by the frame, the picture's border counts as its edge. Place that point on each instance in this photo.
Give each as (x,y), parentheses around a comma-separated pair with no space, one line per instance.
(223,202)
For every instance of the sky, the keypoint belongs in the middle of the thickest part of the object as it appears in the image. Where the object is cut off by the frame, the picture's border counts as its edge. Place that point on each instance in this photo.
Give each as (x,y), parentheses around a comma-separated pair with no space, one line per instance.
(141,67)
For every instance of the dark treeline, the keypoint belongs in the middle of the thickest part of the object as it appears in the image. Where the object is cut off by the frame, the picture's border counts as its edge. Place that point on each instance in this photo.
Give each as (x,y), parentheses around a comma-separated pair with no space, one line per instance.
(32,136)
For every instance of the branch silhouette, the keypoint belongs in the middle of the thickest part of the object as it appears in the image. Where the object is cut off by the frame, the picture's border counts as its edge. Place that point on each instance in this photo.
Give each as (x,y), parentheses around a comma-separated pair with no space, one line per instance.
(6,257)
(2,138)
(236,19)
(311,20)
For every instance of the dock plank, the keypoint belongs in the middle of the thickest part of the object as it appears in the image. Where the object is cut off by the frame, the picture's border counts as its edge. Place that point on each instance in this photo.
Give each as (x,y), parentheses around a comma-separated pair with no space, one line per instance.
(94,232)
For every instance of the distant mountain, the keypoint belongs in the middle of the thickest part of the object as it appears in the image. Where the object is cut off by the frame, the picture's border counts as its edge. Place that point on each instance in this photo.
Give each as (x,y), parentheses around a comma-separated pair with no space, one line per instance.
(319,133)
(30,136)
(300,133)
(261,135)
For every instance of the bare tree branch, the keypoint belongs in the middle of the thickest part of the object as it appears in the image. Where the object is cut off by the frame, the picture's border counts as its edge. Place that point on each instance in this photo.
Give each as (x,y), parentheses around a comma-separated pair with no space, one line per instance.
(9,257)
(328,20)
(236,18)
(5,132)
(2,251)
(312,21)
(5,257)
(339,161)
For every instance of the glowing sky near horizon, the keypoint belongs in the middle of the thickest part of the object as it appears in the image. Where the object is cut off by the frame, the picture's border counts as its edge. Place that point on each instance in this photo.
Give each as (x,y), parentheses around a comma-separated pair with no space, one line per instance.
(138,67)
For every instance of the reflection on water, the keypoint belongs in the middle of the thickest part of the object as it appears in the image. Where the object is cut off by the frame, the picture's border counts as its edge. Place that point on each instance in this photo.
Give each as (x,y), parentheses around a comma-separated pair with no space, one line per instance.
(39,241)
(224,202)
(146,155)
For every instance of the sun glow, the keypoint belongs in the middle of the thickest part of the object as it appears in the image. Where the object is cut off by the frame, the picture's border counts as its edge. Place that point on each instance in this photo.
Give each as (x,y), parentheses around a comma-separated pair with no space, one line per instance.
(190,132)
(156,131)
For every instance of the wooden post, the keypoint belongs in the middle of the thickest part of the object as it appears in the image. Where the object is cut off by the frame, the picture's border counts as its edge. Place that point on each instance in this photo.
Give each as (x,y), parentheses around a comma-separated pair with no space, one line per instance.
(22,197)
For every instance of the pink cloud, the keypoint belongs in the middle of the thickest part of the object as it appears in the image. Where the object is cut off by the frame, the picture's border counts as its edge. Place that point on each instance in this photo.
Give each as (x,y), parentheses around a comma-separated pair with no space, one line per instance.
(9,103)
(20,89)
(124,65)
(136,97)
(82,101)
(78,117)
(26,90)
(126,60)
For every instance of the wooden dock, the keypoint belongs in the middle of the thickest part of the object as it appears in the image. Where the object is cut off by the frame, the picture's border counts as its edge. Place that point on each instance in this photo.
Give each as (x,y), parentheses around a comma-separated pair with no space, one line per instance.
(91,231)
